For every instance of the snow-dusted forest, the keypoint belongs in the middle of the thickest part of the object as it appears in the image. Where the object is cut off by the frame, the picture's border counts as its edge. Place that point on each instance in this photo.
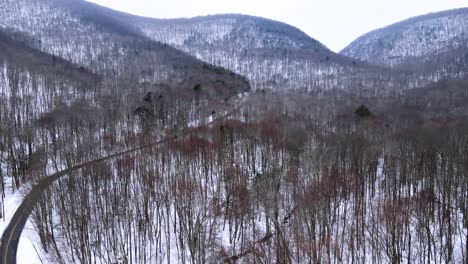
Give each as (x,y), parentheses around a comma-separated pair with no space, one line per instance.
(228,139)
(274,183)
(274,55)
(421,39)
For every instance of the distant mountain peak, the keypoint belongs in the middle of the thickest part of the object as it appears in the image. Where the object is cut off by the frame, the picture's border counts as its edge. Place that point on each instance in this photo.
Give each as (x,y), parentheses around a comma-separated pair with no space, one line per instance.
(413,40)
(245,28)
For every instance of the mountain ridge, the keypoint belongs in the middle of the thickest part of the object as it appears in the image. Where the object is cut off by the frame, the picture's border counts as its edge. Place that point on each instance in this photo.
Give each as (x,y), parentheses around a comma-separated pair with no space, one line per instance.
(88,35)
(412,39)
(271,54)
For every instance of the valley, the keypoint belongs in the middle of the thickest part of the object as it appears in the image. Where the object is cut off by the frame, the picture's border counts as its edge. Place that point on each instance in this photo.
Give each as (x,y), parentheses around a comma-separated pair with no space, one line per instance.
(229,139)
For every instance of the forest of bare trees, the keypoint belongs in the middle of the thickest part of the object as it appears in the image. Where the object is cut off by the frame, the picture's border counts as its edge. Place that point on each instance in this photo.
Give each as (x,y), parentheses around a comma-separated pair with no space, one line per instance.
(353,165)
(285,179)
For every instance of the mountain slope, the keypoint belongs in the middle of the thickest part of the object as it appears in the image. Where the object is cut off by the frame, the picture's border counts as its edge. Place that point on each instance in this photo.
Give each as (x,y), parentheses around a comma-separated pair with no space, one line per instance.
(277,56)
(232,30)
(33,83)
(419,40)
(15,53)
(88,35)
(30,80)
(270,54)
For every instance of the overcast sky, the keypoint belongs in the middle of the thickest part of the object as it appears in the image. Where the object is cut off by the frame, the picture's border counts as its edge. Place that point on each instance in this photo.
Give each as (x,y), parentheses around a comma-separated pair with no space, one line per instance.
(335,23)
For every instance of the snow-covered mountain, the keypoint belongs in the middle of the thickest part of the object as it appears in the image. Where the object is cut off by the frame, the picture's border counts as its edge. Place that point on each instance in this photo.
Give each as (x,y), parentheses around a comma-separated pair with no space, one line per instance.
(278,56)
(269,53)
(436,43)
(88,35)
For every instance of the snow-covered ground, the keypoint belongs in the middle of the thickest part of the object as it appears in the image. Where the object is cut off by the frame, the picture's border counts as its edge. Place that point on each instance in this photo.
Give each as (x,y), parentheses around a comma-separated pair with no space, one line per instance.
(27,253)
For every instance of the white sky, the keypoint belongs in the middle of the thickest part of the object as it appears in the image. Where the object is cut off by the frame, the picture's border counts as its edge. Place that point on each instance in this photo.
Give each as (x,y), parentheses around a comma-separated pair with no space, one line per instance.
(335,23)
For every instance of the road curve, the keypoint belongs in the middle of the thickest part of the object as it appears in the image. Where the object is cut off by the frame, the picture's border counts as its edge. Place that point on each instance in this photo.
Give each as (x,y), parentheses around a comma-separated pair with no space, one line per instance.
(12,234)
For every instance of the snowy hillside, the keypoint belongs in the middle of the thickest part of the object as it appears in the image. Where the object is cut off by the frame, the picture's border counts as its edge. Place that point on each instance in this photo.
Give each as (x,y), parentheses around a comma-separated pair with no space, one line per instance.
(278,56)
(87,35)
(270,54)
(416,39)
(231,30)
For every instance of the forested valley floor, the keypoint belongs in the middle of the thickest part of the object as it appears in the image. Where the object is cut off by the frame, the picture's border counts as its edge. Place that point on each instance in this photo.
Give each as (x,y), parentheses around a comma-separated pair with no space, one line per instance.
(285,178)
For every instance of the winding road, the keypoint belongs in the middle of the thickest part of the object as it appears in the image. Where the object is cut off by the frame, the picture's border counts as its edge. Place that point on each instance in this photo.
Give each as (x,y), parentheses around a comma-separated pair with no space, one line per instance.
(12,234)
